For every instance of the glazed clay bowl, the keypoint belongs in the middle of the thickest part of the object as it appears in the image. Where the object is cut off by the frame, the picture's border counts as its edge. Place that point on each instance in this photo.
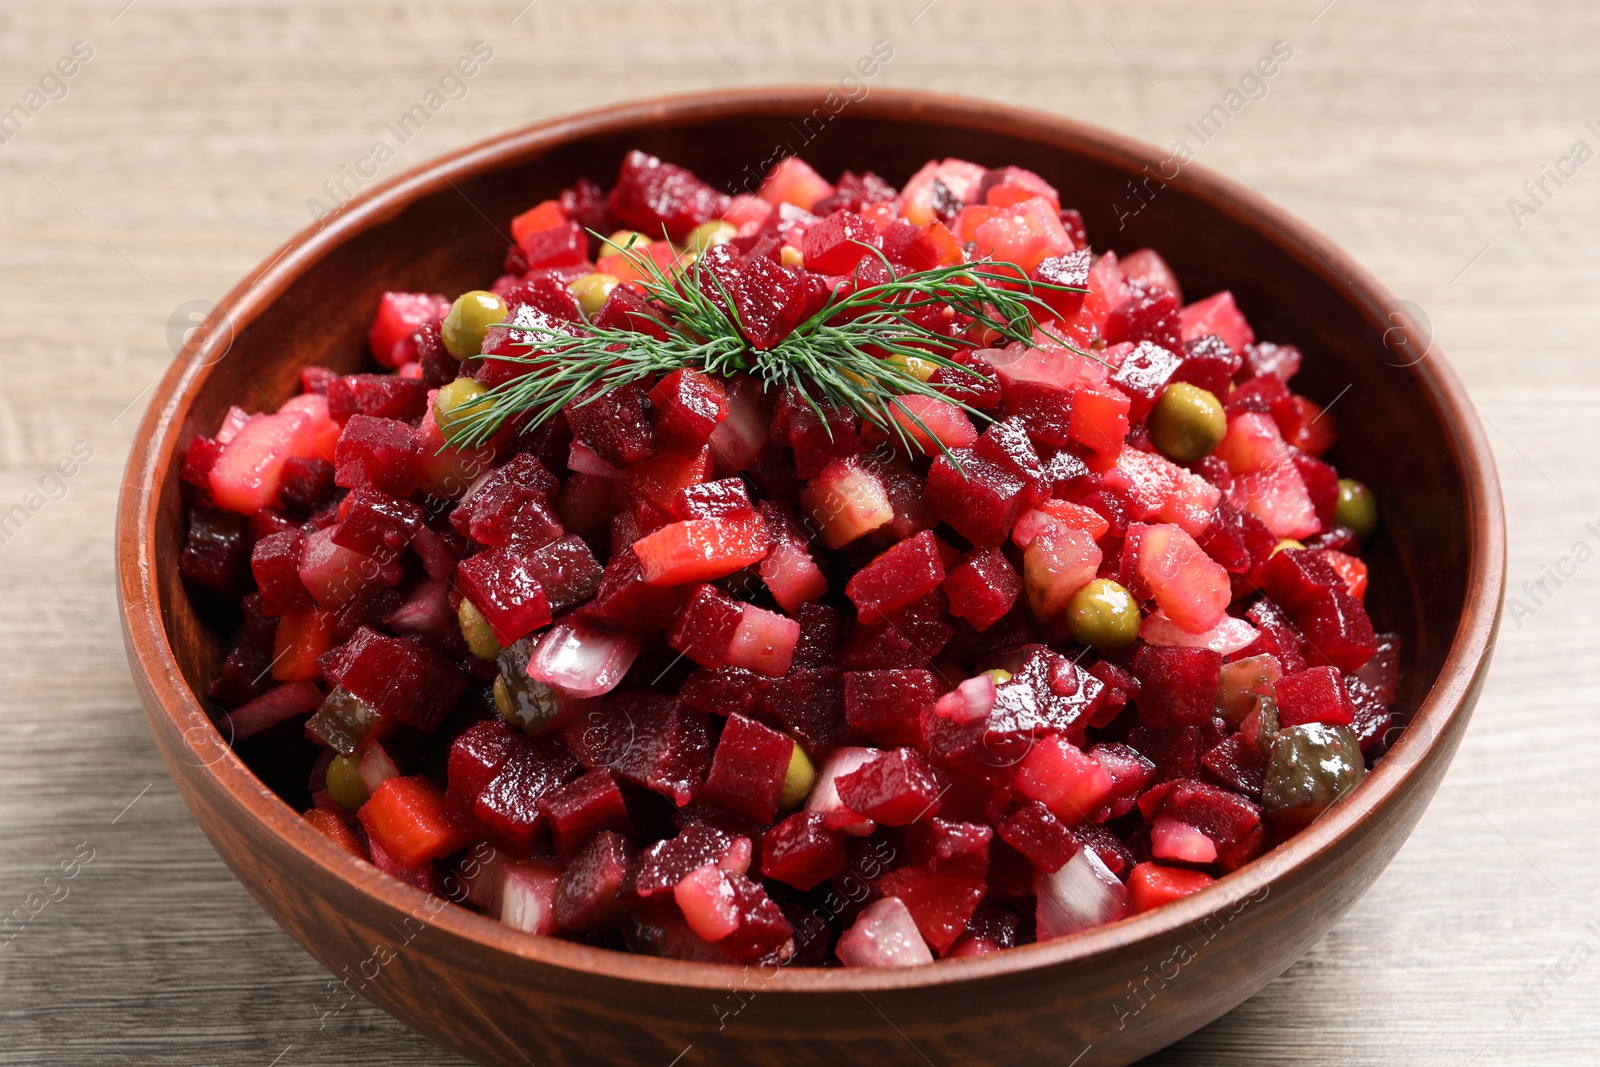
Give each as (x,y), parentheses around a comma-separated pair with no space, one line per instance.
(1105,996)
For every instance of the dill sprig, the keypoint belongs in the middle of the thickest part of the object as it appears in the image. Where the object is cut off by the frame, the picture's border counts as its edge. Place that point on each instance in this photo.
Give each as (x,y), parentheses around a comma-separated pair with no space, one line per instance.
(836,358)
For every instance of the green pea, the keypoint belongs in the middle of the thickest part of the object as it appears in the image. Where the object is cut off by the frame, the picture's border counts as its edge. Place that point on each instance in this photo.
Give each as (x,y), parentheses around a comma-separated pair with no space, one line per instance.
(476,629)
(1357,508)
(1188,422)
(797,780)
(470,316)
(1103,615)
(591,290)
(710,234)
(344,782)
(454,404)
(623,241)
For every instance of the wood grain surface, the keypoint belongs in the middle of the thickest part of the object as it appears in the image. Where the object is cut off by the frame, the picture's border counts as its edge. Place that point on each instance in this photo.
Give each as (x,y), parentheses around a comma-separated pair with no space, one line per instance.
(185,148)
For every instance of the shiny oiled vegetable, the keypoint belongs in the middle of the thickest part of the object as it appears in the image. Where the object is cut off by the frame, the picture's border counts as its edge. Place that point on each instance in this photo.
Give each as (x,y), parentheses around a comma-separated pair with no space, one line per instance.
(1357,508)
(1311,766)
(469,317)
(1103,615)
(1188,422)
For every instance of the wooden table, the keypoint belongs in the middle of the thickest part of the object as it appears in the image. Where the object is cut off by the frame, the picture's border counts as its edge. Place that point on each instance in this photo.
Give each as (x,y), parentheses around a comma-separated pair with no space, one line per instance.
(187,146)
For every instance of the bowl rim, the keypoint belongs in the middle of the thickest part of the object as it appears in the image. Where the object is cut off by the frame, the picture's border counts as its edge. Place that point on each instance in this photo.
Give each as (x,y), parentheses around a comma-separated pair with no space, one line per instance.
(158,438)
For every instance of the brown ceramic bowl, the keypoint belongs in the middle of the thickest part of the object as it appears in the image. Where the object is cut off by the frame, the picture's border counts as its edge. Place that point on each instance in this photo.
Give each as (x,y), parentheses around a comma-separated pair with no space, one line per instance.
(1106,996)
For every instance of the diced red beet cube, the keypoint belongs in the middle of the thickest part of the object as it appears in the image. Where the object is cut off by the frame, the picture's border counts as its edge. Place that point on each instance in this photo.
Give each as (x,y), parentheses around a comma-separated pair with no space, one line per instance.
(760,927)
(613,423)
(1177,685)
(476,756)
(712,500)
(199,458)
(1131,773)
(906,245)
(566,570)
(748,769)
(941,905)
(667,750)
(1296,578)
(982,588)
(1278,636)
(399,315)
(904,573)
(625,602)
(1238,764)
(509,804)
(316,379)
(973,383)
(1230,820)
(581,808)
(503,513)
(1064,779)
(821,630)
(384,396)
(306,484)
(1070,269)
(590,896)
(808,703)
(909,637)
(817,439)
(981,499)
(658,480)
(503,586)
(1047,694)
(380,453)
(1237,540)
(216,552)
(545,289)
(377,524)
(652,197)
(902,488)
(1144,373)
(1008,444)
(1036,833)
(724,691)
(275,562)
(1209,363)
(887,705)
(398,678)
(1265,358)
(948,847)
(560,245)
(1175,750)
(1316,694)
(1337,631)
(896,789)
(802,851)
(837,243)
(705,626)
(664,864)
(686,407)
(1149,315)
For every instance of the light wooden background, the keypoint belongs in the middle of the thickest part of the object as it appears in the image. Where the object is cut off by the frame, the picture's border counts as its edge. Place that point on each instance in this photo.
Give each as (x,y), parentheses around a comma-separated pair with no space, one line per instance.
(185,151)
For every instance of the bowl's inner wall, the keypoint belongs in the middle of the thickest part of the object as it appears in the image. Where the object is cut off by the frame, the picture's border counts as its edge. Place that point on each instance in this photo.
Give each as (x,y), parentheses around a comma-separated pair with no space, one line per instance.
(1392,435)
